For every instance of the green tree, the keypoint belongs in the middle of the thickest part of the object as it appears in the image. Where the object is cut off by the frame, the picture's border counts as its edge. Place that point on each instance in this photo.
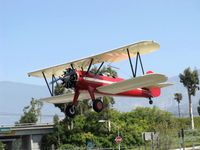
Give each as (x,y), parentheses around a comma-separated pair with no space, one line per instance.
(106,112)
(54,138)
(32,112)
(178,97)
(2,146)
(190,80)
(198,108)
(55,119)
(131,124)
(104,70)
(83,107)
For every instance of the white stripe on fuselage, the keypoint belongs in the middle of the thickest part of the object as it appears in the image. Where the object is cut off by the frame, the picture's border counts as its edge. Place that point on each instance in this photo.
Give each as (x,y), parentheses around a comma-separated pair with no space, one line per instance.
(97,80)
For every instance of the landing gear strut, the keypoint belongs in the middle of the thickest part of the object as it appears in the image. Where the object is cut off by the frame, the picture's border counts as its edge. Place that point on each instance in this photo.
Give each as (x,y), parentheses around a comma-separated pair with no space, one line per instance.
(150,101)
(97,105)
(70,110)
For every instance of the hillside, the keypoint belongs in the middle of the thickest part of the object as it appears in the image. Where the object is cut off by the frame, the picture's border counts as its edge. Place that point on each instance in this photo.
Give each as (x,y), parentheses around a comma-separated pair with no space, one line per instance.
(14,96)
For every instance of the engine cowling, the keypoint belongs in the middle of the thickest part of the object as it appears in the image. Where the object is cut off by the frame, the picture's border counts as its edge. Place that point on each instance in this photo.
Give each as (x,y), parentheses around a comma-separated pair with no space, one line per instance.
(69,78)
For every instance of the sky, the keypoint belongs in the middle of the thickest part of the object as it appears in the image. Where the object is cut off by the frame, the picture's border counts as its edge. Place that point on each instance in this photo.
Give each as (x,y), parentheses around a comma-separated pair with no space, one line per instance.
(35,34)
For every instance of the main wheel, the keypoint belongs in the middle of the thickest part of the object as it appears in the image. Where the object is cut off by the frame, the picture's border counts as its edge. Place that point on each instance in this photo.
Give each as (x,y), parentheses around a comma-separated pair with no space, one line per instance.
(97,105)
(70,110)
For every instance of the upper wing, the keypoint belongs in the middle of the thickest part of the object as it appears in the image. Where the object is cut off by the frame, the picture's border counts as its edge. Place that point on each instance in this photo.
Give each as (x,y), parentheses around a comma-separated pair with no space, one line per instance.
(109,56)
(133,83)
(66,98)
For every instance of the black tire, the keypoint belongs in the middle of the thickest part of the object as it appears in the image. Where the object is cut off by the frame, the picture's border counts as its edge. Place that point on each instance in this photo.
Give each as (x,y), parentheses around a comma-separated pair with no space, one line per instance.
(150,102)
(97,105)
(70,111)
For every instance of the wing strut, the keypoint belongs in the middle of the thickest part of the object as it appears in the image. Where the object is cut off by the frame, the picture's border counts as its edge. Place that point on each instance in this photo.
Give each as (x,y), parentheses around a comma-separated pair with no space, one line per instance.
(47,84)
(130,63)
(99,68)
(72,66)
(138,56)
(136,63)
(89,66)
(52,84)
(54,79)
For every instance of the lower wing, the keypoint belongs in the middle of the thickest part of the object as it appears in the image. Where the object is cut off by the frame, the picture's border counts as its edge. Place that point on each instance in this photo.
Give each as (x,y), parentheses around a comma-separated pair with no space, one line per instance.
(66,98)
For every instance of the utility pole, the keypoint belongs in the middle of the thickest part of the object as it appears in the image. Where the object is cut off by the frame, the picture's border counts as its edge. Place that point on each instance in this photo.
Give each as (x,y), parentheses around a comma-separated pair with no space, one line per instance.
(109,128)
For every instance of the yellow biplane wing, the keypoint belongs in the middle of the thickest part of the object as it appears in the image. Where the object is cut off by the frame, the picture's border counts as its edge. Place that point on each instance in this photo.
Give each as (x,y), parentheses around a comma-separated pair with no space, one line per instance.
(112,56)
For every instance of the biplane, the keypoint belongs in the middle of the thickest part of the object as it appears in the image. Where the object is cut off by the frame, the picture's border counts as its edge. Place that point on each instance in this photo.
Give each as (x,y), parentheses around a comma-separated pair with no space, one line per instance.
(76,75)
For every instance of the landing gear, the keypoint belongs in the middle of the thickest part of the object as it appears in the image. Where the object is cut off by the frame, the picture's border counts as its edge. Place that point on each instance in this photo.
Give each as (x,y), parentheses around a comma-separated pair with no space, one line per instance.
(70,110)
(150,101)
(97,105)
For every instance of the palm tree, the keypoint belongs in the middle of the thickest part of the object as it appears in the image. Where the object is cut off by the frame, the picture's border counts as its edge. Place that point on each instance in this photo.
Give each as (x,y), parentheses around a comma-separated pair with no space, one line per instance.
(190,80)
(198,108)
(178,98)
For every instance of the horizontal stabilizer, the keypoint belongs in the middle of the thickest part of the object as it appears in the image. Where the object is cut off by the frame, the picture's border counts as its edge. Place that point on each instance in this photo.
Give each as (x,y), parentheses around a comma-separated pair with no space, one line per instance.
(133,83)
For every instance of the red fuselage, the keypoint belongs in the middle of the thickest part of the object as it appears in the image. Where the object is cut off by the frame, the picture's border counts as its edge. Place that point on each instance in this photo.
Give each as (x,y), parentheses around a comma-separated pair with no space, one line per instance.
(91,80)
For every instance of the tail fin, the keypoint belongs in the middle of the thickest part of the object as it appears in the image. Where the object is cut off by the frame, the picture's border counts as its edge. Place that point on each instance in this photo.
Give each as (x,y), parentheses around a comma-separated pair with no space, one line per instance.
(149,72)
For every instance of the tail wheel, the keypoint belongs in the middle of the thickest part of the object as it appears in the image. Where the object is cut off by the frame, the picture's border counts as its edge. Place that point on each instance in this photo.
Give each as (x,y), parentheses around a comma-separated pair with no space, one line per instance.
(70,110)
(97,105)
(150,101)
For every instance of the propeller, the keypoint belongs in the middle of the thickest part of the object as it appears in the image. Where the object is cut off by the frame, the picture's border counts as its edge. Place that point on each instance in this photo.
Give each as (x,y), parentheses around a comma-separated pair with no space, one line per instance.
(69,78)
